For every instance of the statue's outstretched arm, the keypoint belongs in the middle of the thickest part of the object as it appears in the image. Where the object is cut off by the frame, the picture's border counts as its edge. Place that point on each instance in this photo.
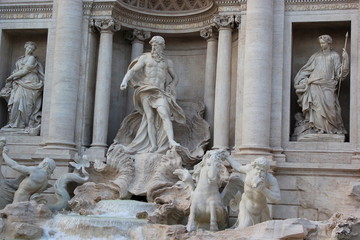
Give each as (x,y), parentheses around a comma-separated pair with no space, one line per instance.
(131,72)
(14,165)
(237,166)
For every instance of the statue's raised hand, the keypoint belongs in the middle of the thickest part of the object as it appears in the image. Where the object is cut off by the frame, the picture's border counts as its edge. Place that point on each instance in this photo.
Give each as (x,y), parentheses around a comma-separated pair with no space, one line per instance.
(5,150)
(123,86)
(345,54)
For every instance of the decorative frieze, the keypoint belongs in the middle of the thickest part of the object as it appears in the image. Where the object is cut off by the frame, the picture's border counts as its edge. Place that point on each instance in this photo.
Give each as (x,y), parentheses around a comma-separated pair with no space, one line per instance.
(33,11)
(315,5)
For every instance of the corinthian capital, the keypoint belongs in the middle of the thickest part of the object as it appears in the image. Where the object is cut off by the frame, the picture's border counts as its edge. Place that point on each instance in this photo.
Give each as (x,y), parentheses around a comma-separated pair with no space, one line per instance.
(224,20)
(138,34)
(237,20)
(107,24)
(208,33)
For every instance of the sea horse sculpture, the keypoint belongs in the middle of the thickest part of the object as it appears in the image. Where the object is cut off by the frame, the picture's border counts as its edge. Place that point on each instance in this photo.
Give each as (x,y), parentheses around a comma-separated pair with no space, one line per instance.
(207,210)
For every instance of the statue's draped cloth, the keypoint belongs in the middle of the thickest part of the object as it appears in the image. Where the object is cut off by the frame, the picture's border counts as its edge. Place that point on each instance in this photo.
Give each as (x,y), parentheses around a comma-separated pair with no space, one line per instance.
(26,96)
(317,97)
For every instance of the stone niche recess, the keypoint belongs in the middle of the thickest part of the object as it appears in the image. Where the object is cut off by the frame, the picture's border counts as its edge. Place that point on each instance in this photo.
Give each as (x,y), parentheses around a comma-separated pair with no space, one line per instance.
(304,44)
(12,47)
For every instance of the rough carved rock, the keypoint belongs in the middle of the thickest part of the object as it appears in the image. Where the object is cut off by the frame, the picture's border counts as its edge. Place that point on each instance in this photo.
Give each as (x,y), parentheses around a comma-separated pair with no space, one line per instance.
(28,212)
(118,171)
(338,227)
(90,193)
(159,232)
(24,220)
(173,205)
(26,231)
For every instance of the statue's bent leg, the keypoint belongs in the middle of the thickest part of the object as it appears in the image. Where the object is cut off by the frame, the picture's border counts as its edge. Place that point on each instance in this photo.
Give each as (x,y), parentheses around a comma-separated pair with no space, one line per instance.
(190,227)
(213,216)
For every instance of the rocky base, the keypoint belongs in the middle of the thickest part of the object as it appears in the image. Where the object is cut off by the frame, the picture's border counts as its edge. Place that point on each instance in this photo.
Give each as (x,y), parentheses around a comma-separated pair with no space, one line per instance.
(338,227)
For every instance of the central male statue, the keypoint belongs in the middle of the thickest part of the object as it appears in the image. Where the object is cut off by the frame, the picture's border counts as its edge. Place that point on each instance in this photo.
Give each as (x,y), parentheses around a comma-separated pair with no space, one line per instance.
(154,99)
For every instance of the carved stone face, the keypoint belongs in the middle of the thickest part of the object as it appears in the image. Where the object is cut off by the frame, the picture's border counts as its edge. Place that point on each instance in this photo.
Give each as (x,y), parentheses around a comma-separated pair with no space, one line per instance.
(29,49)
(323,44)
(157,48)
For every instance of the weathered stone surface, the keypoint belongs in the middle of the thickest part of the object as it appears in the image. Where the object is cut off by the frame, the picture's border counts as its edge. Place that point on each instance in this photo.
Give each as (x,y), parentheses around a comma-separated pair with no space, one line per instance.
(26,231)
(173,205)
(90,193)
(339,227)
(27,212)
(159,232)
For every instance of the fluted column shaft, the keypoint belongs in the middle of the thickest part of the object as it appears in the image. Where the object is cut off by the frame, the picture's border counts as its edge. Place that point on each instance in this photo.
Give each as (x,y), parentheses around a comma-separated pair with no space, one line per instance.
(66,75)
(103,82)
(210,75)
(137,38)
(257,77)
(223,83)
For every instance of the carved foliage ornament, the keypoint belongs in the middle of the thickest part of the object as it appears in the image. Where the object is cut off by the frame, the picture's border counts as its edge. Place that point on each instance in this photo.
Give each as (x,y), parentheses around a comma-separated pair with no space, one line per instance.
(226,21)
(107,24)
(138,34)
(208,33)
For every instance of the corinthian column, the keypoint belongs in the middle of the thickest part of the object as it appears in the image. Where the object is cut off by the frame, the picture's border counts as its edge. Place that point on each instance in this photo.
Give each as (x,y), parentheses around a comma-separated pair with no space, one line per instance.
(257,79)
(210,74)
(223,81)
(137,38)
(107,27)
(65,75)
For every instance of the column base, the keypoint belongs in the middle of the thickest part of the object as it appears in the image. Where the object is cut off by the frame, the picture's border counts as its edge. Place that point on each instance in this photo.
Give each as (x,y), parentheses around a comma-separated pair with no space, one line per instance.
(59,155)
(247,154)
(96,153)
(63,145)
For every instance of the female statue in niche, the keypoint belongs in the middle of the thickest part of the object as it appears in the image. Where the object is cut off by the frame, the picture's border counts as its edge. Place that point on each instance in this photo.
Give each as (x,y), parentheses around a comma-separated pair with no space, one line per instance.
(23,91)
(316,84)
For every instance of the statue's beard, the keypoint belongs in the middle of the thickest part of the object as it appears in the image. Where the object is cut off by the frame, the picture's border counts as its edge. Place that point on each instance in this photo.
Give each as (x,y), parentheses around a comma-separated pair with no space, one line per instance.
(256,179)
(157,54)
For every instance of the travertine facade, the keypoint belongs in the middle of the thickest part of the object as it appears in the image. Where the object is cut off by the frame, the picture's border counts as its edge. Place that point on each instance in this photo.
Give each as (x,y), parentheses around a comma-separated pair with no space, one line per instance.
(238,57)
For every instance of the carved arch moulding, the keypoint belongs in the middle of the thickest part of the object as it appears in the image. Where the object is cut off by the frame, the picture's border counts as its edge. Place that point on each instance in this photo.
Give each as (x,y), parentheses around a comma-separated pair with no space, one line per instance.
(181,19)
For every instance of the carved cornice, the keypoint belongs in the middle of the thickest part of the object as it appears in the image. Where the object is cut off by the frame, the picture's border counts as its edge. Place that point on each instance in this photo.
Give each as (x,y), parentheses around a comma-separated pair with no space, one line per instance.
(23,11)
(106,25)
(224,21)
(315,5)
